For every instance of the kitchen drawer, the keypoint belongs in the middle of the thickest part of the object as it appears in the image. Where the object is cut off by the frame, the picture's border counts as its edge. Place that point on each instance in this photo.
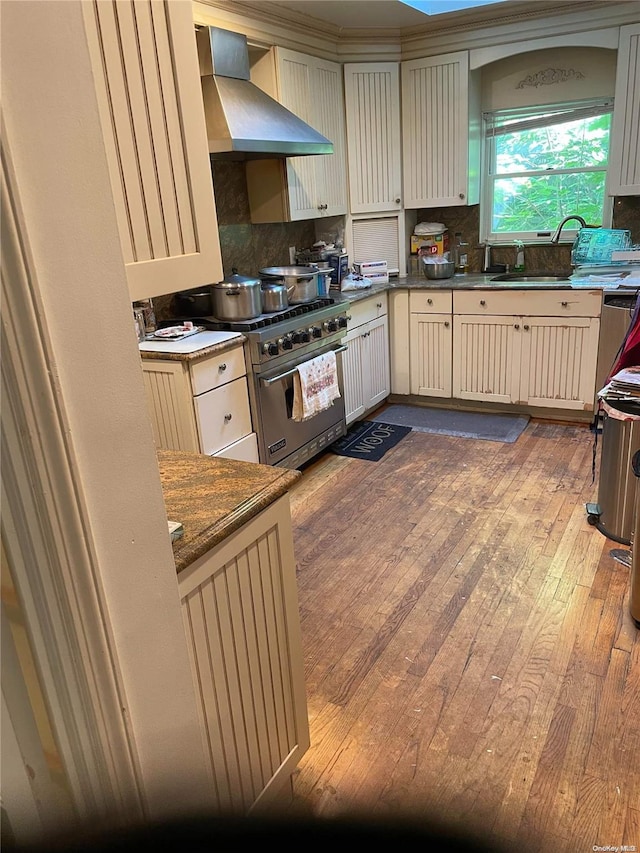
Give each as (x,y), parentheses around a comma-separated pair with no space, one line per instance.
(216,370)
(246,450)
(531,303)
(223,416)
(430,301)
(367,309)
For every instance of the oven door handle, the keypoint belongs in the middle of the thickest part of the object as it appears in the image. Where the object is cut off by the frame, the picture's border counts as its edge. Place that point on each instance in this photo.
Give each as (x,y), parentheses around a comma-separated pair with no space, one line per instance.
(284,375)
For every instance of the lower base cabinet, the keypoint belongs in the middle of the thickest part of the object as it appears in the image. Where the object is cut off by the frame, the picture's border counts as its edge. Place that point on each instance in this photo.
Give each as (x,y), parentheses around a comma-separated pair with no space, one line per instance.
(240,611)
(545,359)
(431,337)
(365,363)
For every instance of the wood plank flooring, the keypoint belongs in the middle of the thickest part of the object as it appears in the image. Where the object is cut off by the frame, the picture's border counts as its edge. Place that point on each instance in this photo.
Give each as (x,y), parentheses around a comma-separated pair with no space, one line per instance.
(469,653)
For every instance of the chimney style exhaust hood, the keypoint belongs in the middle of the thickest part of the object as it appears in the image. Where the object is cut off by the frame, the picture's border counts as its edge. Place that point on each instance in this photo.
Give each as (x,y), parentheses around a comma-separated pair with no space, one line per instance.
(243,122)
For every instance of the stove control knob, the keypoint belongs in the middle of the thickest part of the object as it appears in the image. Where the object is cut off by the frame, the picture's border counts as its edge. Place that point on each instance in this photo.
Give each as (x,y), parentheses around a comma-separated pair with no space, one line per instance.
(331,325)
(342,322)
(270,348)
(286,342)
(315,331)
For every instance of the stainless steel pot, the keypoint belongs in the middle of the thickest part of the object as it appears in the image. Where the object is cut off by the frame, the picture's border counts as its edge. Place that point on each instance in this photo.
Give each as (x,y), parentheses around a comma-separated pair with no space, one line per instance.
(237,298)
(275,297)
(302,279)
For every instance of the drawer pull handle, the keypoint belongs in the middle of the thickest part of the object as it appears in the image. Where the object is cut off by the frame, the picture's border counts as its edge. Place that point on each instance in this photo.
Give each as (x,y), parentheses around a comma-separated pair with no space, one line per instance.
(378,304)
(526,328)
(482,302)
(222,367)
(564,304)
(516,326)
(228,417)
(429,301)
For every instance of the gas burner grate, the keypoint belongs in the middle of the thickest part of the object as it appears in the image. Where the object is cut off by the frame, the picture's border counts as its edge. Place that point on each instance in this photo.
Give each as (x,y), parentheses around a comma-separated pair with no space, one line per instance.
(265,320)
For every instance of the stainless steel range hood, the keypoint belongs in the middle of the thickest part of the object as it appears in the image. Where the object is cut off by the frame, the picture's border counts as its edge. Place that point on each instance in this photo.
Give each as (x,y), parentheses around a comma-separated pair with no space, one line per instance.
(243,122)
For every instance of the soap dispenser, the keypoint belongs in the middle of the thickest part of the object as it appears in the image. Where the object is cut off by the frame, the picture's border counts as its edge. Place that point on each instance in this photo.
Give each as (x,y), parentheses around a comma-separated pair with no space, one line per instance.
(519,264)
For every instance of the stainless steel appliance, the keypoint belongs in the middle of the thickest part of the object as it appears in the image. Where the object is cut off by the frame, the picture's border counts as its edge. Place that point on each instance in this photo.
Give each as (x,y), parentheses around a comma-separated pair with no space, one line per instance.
(276,345)
(617,311)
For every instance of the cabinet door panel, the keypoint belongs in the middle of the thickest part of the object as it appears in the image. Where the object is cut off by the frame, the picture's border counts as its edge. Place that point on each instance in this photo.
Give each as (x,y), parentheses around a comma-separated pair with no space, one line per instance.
(435,110)
(624,169)
(377,367)
(431,342)
(352,370)
(148,87)
(331,177)
(486,358)
(559,362)
(373,136)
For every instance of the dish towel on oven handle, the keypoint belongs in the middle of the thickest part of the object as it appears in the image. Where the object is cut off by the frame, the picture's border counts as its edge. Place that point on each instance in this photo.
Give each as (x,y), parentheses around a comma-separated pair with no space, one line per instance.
(315,386)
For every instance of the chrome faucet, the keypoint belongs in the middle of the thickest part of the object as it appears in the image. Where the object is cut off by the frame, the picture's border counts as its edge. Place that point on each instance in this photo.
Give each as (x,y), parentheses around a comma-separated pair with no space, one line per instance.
(556,236)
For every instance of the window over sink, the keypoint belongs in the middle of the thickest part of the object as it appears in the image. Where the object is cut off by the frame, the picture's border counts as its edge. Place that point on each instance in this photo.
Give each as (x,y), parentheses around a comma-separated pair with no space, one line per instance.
(541,164)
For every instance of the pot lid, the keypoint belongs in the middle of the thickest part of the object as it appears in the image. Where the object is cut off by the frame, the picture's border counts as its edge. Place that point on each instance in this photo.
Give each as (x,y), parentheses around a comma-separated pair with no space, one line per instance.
(236,280)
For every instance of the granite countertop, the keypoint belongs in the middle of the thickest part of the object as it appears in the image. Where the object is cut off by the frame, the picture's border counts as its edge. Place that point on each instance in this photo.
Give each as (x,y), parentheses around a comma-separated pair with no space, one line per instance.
(469,281)
(212,497)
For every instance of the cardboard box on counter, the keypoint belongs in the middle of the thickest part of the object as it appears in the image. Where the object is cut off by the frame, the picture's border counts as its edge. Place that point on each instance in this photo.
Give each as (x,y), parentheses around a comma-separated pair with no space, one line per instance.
(369,268)
(440,240)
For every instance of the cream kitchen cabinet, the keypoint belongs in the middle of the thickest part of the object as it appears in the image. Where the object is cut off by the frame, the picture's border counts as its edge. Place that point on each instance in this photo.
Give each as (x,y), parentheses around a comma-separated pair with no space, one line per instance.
(312,186)
(365,363)
(240,611)
(372,98)
(624,157)
(440,131)
(147,79)
(431,336)
(533,348)
(201,405)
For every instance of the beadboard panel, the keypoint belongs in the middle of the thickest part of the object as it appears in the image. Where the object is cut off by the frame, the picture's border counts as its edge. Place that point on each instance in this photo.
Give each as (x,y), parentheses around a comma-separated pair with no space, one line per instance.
(373,136)
(624,171)
(486,359)
(170,405)
(150,99)
(431,350)
(240,615)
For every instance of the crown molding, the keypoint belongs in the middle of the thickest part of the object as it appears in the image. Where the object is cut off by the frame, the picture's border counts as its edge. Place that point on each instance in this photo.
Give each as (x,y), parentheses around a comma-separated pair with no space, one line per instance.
(265,25)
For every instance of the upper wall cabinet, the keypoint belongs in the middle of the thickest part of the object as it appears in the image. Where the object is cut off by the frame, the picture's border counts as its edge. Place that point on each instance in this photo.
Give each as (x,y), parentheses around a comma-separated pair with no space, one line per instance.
(372,91)
(148,84)
(315,185)
(441,131)
(624,160)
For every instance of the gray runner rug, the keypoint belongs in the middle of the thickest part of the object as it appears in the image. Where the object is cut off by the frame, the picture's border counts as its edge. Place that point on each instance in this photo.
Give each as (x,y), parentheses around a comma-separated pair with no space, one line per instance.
(490,427)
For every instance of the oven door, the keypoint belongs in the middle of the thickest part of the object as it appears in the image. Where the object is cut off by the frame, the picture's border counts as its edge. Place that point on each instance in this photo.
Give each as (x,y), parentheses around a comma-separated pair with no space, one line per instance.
(283,441)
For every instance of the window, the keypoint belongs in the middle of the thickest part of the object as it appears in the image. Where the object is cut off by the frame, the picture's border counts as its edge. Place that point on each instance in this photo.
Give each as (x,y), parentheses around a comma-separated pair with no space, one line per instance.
(542,164)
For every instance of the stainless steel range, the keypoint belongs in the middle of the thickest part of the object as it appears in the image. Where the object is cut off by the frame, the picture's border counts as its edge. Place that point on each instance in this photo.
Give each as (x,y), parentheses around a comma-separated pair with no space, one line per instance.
(277,344)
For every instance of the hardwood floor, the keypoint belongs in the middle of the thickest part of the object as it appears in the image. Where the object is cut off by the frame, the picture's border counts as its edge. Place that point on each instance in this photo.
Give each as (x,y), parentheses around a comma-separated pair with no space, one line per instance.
(469,652)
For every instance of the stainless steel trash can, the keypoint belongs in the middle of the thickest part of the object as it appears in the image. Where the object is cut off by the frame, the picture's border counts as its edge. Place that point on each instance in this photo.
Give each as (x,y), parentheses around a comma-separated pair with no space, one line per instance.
(616,485)
(634,601)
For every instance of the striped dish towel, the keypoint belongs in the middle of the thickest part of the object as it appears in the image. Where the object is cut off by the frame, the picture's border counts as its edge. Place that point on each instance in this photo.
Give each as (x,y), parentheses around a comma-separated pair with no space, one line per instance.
(315,386)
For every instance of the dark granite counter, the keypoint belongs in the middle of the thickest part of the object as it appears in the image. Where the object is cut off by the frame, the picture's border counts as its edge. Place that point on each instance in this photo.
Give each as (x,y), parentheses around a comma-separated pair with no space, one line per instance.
(212,497)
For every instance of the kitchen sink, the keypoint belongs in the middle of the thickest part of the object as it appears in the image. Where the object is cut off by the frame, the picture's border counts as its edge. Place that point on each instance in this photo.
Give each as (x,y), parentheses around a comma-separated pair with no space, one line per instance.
(516,277)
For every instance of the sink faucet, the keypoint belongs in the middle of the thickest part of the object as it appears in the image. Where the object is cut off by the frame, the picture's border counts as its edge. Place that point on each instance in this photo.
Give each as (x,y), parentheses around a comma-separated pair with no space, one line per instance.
(556,236)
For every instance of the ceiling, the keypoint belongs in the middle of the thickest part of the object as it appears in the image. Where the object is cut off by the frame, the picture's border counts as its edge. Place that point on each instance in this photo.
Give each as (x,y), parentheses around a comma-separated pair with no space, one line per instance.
(344,15)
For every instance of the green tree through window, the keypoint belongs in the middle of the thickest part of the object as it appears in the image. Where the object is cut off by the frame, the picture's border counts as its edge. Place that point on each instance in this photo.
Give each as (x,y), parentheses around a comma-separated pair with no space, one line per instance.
(542,165)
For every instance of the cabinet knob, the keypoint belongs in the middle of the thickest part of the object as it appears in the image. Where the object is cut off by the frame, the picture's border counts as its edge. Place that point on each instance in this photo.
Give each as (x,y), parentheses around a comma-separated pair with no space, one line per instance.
(228,417)
(516,326)
(460,195)
(429,301)
(397,201)
(564,304)
(378,304)
(483,302)
(222,367)
(446,324)
(526,328)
